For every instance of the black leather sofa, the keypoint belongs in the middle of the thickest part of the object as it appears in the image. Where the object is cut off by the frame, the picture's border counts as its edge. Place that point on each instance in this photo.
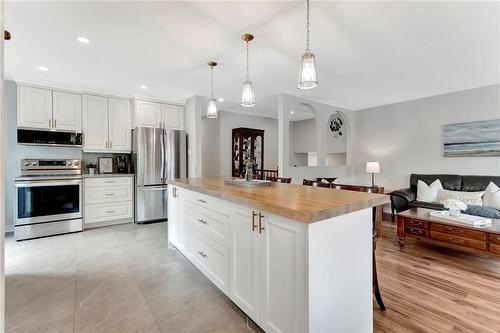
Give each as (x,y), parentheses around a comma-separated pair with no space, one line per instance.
(406,198)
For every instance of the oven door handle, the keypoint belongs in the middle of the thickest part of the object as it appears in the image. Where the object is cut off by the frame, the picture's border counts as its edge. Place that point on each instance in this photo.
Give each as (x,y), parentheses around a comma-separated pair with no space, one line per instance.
(48,183)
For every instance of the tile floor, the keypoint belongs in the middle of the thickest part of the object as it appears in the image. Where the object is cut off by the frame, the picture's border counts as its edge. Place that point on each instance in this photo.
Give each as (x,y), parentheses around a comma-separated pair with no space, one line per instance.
(112,279)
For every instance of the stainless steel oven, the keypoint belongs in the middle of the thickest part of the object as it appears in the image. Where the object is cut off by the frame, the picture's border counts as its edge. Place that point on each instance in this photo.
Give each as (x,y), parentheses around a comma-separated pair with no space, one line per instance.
(48,198)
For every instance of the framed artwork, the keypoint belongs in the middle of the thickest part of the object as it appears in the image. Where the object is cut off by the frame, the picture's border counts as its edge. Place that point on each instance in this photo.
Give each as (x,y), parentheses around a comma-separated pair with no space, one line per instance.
(336,124)
(105,164)
(472,139)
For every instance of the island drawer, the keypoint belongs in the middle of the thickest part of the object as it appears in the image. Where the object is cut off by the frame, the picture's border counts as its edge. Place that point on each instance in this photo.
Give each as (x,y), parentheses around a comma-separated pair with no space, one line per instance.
(457,240)
(417,224)
(210,258)
(108,181)
(211,224)
(494,238)
(457,231)
(417,232)
(495,249)
(215,204)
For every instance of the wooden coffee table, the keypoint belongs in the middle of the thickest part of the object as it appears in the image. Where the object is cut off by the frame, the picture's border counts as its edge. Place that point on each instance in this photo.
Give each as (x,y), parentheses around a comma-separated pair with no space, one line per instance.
(417,223)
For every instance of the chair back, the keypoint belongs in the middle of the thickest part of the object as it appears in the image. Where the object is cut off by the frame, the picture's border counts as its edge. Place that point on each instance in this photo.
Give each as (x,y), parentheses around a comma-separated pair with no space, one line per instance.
(315,183)
(286,180)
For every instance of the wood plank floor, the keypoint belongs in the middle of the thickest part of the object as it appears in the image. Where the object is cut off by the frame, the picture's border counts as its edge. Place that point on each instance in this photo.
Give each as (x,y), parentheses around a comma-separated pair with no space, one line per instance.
(428,288)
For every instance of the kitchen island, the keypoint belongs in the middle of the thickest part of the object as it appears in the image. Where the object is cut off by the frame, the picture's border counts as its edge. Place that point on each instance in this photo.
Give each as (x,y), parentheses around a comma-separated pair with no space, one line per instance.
(294,258)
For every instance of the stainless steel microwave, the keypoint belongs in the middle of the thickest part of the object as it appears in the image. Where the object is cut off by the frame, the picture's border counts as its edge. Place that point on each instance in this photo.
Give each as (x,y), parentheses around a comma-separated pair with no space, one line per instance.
(49,138)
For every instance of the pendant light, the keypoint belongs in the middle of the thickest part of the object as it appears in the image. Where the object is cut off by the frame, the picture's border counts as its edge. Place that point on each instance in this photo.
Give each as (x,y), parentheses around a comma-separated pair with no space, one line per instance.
(247,94)
(308,79)
(212,106)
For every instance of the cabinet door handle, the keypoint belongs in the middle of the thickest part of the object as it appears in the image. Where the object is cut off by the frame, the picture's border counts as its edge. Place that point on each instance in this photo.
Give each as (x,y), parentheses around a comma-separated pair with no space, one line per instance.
(109,194)
(109,181)
(201,253)
(202,221)
(254,226)
(110,211)
(50,123)
(55,123)
(202,201)
(174,192)
(261,228)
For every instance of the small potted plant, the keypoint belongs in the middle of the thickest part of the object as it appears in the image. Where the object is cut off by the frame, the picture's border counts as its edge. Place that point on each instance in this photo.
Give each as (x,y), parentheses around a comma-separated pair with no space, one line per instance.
(249,163)
(91,167)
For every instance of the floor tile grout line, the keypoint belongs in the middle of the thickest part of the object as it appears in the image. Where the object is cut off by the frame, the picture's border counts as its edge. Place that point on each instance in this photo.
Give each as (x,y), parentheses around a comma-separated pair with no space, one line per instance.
(140,287)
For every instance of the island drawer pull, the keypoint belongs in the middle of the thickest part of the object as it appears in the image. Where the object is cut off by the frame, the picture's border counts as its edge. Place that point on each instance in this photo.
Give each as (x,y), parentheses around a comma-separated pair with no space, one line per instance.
(254,226)
(261,228)
(110,211)
(202,221)
(109,181)
(202,201)
(201,253)
(109,194)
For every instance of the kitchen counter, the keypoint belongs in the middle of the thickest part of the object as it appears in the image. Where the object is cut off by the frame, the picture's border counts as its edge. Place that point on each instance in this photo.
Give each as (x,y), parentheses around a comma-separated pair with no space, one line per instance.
(301,203)
(105,175)
(294,258)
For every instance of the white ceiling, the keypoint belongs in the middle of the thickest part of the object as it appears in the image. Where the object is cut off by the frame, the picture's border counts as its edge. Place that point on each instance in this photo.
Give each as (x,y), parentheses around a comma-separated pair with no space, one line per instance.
(368,53)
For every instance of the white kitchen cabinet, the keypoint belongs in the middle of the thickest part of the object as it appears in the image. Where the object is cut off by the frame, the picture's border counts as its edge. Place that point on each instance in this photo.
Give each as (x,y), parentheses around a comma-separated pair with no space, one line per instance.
(158,115)
(108,200)
(34,108)
(95,123)
(244,261)
(147,114)
(67,111)
(173,215)
(120,125)
(106,124)
(171,116)
(182,218)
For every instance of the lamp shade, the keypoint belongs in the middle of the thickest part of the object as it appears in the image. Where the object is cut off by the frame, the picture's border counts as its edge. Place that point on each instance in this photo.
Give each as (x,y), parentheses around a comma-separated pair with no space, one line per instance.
(212,108)
(372,167)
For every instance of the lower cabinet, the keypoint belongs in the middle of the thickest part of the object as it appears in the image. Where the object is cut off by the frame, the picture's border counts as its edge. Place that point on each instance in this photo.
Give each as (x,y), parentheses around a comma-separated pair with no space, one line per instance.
(257,259)
(108,200)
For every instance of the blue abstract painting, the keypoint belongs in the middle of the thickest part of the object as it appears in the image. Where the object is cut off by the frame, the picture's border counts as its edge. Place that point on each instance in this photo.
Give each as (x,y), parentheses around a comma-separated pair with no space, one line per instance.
(472,139)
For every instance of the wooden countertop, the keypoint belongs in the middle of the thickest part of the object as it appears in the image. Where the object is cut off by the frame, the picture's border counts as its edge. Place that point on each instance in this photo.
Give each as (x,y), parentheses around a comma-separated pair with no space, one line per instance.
(297,202)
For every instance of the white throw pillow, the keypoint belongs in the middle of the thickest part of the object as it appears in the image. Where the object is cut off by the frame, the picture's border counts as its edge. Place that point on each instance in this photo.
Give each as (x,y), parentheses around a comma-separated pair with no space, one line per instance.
(468,198)
(428,193)
(491,196)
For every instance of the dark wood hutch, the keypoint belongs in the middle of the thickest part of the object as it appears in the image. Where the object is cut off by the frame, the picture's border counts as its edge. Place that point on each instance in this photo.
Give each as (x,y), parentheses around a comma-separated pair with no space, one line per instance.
(247,143)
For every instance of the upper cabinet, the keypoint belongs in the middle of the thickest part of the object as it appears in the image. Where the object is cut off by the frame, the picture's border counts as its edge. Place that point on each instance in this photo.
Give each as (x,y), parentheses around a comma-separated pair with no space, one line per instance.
(67,111)
(107,124)
(158,115)
(46,109)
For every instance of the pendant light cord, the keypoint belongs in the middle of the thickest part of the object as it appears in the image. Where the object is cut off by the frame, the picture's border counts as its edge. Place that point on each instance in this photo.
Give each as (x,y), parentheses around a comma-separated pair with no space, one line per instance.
(212,81)
(248,75)
(307,26)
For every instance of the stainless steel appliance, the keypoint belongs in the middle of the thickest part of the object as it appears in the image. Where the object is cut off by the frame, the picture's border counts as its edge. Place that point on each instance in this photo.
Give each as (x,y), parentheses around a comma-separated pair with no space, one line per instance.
(48,198)
(49,138)
(158,155)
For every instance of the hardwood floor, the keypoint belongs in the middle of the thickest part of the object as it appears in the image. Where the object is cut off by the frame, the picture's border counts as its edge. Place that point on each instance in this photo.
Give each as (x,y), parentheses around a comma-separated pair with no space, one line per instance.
(428,288)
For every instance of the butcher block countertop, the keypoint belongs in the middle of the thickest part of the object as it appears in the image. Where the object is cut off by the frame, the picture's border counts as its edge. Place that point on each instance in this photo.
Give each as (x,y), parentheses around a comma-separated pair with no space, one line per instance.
(297,202)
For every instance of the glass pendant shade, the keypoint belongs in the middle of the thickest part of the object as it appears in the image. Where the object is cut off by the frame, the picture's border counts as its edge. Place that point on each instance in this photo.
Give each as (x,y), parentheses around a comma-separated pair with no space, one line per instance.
(308,78)
(247,95)
(212,108)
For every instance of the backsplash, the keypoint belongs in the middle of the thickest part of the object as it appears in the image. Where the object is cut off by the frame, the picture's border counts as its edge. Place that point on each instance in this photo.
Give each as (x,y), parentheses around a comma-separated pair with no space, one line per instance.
(93,158)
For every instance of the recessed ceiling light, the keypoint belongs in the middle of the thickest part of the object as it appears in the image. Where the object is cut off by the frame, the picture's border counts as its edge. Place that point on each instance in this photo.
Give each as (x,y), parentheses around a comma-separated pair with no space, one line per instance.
(83,40)
(144,87)
(220,99)
(292,112)
(42,68)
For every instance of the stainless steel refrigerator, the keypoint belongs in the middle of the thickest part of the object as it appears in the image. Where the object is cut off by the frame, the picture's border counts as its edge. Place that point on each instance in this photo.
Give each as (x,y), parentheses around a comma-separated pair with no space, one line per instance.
(158,155)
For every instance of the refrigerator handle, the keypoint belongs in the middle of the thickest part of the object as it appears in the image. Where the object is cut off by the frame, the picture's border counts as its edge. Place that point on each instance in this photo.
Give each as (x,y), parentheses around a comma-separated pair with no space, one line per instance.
(162,150)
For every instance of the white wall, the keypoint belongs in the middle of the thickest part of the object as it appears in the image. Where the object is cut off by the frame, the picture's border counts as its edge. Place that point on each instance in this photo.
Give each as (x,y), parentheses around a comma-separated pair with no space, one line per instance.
(15,152)
(210,147)
(407,137)
(230,120)
(286,103)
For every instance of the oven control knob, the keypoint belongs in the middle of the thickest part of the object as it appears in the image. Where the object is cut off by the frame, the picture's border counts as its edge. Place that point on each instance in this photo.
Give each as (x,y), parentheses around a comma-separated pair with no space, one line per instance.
(27,163)
(75,163)
(34,163)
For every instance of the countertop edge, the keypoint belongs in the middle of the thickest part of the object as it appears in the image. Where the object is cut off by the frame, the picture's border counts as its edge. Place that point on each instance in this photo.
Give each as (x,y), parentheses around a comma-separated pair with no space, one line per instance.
(304,217)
